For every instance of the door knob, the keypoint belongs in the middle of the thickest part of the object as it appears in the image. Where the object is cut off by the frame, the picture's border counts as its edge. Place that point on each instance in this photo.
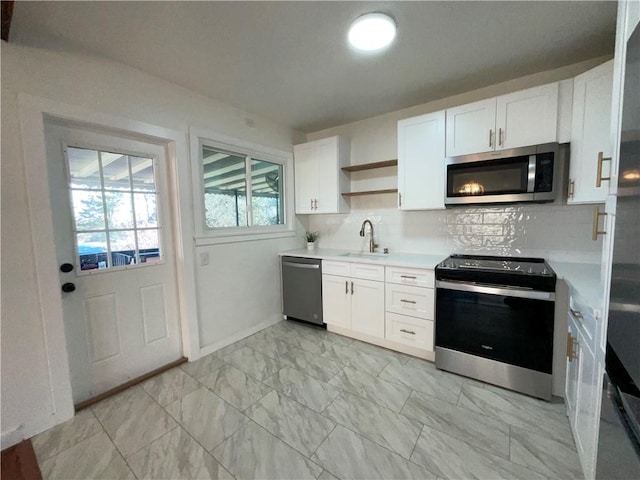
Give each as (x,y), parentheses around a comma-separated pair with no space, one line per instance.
(68,287)
(66,267)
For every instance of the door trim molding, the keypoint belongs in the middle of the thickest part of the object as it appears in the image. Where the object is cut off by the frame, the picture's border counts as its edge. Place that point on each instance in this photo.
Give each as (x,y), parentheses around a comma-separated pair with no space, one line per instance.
(33,112)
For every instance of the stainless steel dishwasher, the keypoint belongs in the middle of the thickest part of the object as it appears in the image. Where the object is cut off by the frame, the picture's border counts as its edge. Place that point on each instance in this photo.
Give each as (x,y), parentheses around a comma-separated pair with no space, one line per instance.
(302,289)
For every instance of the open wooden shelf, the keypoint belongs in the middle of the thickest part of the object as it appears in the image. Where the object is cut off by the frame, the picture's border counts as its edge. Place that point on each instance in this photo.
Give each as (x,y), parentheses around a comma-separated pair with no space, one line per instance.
(370,192)
(370,166)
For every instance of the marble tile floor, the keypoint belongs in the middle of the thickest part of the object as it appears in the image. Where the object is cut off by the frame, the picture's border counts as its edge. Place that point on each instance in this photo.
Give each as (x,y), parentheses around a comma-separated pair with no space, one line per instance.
(296,402)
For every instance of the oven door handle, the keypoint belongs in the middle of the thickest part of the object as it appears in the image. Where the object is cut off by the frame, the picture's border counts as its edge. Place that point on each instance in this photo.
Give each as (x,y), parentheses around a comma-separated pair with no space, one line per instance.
(503,290)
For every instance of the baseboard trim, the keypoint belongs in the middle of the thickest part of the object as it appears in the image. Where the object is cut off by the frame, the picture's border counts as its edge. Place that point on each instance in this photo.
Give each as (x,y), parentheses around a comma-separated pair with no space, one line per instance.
(213,347)
(130,383)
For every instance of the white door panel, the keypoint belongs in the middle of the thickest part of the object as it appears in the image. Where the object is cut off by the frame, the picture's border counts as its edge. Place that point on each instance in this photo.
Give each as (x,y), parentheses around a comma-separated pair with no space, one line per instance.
(122,319)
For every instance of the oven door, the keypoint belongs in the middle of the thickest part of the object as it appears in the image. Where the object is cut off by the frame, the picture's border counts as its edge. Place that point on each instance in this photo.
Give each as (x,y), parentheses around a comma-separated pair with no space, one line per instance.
(508,325)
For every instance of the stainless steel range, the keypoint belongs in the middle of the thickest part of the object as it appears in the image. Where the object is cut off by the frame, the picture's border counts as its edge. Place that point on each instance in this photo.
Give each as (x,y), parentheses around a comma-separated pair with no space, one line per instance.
(495,320)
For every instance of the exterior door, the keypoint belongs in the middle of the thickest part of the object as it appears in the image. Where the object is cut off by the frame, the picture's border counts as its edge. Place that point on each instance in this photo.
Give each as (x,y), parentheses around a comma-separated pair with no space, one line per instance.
(112,232)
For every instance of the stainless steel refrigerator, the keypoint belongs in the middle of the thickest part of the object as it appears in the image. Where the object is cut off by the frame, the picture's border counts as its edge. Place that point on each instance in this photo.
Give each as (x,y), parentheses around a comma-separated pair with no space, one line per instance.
(619,433)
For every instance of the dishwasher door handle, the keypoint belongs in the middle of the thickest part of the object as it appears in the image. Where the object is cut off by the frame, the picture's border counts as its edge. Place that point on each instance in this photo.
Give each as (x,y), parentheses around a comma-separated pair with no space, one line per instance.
(302,265)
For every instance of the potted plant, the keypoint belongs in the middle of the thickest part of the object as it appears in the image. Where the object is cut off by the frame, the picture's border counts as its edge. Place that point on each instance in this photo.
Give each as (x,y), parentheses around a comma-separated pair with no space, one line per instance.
(311,238)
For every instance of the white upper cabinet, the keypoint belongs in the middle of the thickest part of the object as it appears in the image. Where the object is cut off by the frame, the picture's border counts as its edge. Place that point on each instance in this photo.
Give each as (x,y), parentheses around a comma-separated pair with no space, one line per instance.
(421,172)
(471,128)
(319,179)
(519,119)
(527,117)
(591,136)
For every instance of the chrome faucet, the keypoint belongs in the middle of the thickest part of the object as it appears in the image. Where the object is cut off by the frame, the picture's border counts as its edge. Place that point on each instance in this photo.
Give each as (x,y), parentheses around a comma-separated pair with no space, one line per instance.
(372,244)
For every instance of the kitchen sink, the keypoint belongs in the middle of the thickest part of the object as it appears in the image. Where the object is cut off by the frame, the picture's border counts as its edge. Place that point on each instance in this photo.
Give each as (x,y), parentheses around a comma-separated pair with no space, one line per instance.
(368,256)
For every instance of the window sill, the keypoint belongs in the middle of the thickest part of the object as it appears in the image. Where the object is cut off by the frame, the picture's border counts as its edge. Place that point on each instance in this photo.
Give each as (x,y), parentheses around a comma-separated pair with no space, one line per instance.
(245,237)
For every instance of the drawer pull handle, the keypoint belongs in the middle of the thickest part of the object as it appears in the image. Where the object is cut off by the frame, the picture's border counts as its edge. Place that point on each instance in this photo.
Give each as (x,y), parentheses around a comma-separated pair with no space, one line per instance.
(576,314)
(408,301)
(409,277)
(346,286)
(351,288)
(596,216)
(599,177)
(407,331)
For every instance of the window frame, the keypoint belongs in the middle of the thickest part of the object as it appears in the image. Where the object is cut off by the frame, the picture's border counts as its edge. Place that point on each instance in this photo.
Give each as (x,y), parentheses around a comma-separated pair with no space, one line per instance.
(159,209)
(206,235)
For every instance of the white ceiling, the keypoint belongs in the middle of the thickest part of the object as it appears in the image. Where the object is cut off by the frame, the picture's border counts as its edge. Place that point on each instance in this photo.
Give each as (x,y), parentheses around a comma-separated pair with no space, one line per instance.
(288,61)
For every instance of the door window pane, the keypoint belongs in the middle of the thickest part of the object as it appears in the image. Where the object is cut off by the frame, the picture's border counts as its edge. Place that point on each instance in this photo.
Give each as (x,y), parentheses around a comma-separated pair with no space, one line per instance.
(146,209)
(142,174)
(123,247)
(88,209)
(84,168)
(266,193)
(119,210)
(115,169)
(92,250)
(148,245)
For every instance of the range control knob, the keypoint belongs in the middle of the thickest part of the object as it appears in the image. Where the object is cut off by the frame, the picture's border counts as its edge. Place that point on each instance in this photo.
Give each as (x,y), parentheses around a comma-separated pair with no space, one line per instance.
(530,271)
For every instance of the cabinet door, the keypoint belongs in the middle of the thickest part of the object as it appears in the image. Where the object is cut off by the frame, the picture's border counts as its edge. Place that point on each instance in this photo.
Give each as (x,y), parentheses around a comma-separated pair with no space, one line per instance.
(367,307)
(590,134)
(573,366)
(471,128)
(421,172)
(588,408)
(527,117)
(327,177)
(306,177)
(336,301)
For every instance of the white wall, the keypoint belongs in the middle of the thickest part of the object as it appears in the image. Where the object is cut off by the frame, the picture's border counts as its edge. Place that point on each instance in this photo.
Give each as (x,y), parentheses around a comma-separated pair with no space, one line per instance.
(554,232)
(246,271)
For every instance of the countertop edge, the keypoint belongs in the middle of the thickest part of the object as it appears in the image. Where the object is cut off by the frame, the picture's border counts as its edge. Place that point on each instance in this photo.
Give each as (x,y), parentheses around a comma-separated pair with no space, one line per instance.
(409,260)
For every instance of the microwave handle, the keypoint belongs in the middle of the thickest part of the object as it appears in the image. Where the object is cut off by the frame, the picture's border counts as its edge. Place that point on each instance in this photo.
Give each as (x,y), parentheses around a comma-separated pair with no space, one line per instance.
(531,174)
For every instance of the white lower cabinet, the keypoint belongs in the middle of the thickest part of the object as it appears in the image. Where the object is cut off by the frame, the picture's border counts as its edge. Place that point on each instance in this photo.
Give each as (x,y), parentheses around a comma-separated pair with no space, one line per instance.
(584,384)
(390,306)
(354,303)
(410,306)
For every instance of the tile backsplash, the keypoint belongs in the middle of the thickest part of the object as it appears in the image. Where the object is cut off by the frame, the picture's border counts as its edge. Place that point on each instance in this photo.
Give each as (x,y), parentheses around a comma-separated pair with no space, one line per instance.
(561,233)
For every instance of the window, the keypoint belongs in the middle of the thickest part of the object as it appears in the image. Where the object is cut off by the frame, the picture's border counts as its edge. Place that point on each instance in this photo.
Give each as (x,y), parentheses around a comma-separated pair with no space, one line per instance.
(115,209)
(227,177)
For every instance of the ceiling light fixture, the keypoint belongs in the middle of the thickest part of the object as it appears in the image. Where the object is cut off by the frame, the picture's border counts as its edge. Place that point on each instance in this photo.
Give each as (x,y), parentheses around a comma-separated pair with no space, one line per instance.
(371,32)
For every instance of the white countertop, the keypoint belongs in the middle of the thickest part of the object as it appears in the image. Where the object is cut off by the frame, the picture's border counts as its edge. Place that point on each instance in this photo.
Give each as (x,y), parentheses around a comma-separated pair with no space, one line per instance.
(585,280)
(388,259)
(583,277)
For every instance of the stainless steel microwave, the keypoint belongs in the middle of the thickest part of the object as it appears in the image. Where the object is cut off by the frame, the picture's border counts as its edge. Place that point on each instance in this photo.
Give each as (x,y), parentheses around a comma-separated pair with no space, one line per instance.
(527,174)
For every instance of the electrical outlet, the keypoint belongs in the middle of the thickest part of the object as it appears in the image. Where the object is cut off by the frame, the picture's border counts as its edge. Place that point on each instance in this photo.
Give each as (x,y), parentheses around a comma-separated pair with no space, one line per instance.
(204,259)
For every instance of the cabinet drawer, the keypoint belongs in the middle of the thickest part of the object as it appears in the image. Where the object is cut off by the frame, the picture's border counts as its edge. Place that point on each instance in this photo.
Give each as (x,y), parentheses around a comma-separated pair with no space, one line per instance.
(341,269)
(410,276)
(367,271)
(409,331)
(406,300)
